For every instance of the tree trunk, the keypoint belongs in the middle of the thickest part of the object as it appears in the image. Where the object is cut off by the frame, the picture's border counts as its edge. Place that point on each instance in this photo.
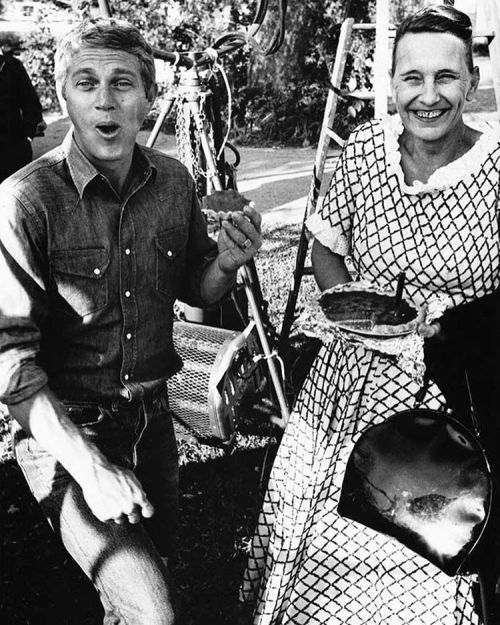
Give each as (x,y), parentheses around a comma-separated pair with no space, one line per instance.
(302,19)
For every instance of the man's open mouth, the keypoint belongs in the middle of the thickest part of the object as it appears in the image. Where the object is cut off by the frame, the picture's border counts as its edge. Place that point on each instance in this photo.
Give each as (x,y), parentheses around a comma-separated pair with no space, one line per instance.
(108,129)
(430,115)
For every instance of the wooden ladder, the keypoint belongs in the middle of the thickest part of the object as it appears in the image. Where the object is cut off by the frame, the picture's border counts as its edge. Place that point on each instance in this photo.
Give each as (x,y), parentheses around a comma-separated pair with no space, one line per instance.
(327,134)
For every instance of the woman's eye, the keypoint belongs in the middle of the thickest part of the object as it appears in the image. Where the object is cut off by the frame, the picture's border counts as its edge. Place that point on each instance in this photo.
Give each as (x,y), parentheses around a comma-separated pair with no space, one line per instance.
(412,80)
(446,77)
(123,84)
(84,84)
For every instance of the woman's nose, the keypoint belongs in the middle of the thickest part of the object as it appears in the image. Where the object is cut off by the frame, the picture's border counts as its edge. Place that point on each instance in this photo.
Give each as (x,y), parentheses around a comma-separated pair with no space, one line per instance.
(429,95)
(104,99)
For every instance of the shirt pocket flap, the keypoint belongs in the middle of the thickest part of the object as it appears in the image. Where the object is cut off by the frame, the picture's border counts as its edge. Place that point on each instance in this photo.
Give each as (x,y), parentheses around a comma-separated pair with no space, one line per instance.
(86,263)
(171,242)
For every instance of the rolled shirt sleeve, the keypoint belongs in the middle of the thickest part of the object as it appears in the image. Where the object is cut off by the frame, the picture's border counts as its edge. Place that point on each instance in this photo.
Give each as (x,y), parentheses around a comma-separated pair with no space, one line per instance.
(23,300)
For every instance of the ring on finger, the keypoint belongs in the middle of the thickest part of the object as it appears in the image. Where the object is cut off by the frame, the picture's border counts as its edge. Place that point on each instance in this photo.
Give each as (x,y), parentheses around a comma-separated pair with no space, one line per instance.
(247,243)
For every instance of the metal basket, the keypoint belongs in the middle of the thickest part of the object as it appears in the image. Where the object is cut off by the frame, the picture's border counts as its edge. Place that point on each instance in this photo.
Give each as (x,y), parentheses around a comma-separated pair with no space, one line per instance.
(219,371)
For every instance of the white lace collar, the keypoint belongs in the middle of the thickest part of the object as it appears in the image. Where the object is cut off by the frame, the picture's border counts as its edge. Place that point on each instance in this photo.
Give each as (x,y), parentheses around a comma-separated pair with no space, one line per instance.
(468,164)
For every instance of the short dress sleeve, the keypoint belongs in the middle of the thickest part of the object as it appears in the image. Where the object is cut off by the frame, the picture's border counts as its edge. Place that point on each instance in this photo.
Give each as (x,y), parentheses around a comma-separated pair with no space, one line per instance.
(331,225)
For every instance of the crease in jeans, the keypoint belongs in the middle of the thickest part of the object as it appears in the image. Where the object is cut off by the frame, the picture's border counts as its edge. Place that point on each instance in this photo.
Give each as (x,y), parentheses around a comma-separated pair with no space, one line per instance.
(144,412)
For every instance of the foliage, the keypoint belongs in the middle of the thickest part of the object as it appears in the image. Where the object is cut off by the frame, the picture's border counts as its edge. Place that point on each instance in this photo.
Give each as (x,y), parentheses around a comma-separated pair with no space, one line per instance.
(401,8)
(38,58)
(286,98)
(277,99)
(177,25)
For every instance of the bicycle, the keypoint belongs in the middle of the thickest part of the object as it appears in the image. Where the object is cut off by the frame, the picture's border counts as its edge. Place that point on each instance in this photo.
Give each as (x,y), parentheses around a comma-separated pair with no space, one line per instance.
(223,361)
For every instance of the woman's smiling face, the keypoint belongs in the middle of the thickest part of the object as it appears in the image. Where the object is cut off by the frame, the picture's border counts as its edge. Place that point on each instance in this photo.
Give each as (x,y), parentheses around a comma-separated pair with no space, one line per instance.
(431,83)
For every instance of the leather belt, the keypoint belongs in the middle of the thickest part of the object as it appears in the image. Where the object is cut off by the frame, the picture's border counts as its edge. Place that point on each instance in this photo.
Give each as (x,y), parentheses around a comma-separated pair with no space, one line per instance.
(78,410)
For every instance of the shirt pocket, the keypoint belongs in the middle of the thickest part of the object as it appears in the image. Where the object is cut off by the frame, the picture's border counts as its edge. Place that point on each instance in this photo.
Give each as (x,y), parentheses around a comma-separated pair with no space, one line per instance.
(81,280)
(170,256)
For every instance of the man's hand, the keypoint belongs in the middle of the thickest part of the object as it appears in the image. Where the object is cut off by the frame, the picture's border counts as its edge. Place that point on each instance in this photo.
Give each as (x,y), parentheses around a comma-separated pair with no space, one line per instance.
(238,241)
(115,494)
(111,492)
(239,238)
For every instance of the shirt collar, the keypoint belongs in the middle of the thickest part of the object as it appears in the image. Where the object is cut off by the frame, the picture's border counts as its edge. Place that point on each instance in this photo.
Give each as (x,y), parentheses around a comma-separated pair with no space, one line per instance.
(83,172)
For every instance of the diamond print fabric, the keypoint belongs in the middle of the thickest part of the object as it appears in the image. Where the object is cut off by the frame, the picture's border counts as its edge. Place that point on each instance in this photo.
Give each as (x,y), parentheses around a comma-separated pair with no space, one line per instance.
(307,565)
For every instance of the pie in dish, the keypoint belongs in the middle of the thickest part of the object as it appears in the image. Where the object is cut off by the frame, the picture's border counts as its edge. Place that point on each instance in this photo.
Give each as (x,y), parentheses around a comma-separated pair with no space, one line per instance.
(367,310)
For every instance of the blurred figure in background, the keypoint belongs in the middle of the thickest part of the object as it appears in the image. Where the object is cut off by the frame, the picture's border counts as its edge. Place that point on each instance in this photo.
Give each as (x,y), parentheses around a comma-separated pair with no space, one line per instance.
(20,112)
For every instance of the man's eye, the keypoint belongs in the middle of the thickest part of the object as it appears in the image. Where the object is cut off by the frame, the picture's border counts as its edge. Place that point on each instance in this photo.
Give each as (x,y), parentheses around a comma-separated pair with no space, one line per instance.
(123,84)
(85,84)
(412,80)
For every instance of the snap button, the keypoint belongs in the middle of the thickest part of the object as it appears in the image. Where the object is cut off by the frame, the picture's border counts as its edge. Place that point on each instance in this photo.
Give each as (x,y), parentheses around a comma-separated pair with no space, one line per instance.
(129,336)
(97,271)
(169,253)
(126,377)
(127,251)
(127,293)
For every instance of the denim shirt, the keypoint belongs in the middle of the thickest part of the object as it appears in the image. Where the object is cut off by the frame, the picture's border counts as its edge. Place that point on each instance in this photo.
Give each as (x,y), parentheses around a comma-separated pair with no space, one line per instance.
(88,279)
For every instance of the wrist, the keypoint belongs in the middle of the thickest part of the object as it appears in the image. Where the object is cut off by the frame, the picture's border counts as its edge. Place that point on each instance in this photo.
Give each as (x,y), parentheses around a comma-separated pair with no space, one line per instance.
(229,274)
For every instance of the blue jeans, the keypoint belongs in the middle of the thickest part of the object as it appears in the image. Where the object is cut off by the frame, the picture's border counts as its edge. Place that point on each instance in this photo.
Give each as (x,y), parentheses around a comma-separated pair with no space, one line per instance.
(124,562)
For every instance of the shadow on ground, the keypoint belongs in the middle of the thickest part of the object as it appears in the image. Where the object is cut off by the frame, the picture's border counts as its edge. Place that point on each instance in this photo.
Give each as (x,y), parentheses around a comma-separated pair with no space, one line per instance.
(219,503)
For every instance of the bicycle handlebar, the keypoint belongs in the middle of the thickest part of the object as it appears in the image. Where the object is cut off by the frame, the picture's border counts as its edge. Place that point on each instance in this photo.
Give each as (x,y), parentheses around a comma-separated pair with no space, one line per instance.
(228,42)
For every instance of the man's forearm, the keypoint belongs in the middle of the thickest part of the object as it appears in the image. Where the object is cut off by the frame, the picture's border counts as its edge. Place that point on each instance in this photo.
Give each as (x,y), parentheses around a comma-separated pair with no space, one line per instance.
(44,417)
(110,491)
(215,283)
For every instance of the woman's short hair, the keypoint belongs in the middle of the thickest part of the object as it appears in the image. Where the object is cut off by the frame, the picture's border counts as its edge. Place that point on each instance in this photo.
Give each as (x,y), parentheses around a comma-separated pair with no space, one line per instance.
(107,33)
(443,18)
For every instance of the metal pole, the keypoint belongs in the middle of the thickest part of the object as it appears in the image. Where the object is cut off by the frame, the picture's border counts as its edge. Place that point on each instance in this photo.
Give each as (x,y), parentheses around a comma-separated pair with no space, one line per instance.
(104,8)
(166,107)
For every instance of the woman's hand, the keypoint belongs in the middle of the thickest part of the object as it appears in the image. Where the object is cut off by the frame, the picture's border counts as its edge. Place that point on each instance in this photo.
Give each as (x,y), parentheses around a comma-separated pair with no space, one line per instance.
(428,330)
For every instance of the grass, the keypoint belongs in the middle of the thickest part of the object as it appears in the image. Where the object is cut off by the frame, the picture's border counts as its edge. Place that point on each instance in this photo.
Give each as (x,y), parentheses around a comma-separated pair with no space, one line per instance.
(220,500)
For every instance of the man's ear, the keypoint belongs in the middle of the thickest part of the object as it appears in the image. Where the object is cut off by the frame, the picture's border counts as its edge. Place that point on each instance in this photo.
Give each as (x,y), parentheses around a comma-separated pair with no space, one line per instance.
(153,92)
(61,96)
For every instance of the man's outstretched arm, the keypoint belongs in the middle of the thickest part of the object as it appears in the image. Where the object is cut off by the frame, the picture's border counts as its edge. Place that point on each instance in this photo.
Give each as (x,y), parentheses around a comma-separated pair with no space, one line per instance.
(111,492)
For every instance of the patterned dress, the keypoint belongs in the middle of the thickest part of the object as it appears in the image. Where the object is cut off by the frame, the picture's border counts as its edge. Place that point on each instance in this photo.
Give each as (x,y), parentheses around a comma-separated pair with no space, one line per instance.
(307,564)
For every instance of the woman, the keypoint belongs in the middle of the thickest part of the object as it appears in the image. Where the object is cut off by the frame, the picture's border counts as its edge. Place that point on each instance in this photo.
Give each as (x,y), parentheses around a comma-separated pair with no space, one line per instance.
(416,193)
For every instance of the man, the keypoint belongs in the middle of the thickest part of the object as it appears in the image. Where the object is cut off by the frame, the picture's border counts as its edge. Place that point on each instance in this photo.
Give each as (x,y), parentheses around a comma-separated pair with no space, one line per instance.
(20,112)
(97,240)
